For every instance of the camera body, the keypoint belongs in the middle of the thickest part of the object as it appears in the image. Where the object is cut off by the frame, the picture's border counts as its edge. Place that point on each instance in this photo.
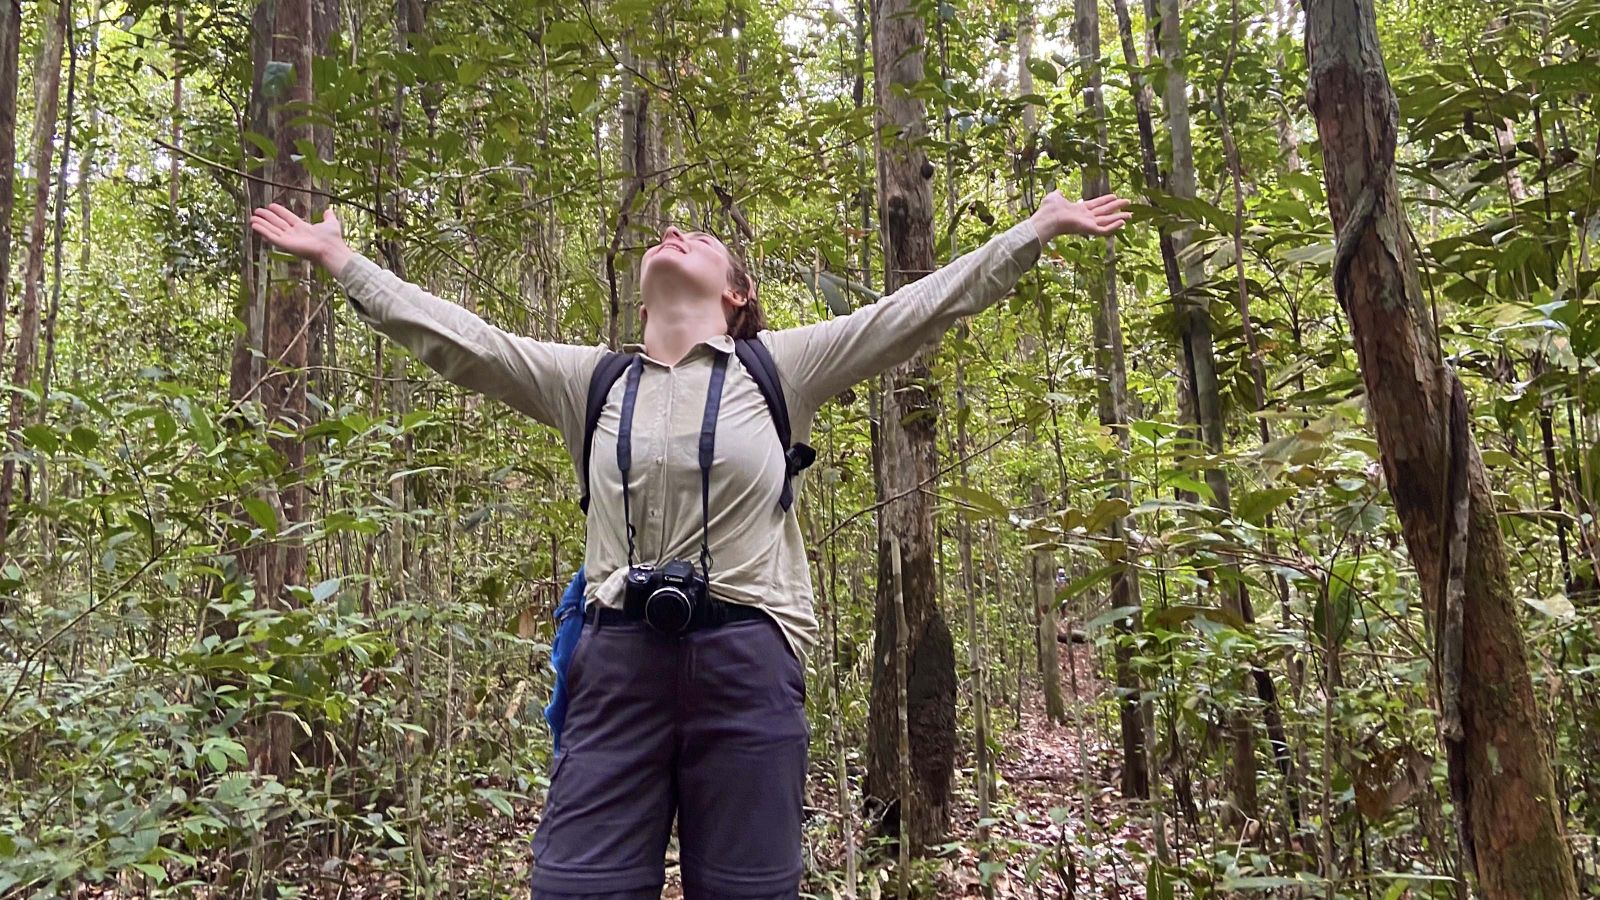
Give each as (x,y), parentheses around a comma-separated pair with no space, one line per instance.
(665,597)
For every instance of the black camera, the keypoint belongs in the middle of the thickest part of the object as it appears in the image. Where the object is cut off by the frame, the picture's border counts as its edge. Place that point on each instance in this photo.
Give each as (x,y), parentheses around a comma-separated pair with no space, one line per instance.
(665,598)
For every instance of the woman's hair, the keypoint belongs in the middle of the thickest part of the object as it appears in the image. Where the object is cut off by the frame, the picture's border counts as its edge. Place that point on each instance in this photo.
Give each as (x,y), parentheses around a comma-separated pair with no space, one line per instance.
(744,322)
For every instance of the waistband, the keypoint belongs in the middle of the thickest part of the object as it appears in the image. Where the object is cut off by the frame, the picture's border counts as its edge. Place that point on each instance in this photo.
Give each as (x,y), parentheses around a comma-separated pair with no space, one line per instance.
(717,613)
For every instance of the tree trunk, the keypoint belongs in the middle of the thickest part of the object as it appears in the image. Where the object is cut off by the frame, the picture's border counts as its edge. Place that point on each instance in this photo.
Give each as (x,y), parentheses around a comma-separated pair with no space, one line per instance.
(247,346)
(175,160)
(47,530)
(639,208)
(969,586)
(1199,360)
(47,84)
(1111,379)
(283,390)
(10,34)
(1041,562)
(907,459)
(1494,736)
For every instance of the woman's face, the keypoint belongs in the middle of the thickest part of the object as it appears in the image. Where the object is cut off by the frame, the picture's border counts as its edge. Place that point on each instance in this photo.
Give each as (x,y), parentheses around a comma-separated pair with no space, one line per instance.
(686,264)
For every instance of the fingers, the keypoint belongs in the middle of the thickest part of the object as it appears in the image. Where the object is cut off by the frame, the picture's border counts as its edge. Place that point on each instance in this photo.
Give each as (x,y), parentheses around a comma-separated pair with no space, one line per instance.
(1104,225)
(286,214)
(1105,204)
(267,228)
(277,215)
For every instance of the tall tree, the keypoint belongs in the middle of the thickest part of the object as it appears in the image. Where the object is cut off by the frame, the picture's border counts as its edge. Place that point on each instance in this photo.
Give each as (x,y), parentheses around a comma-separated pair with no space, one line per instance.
(907,459)
(1499,763)
(639,207)
(47,95)
(1199,362)
(10,37)
(1111,382)
(289,91)
(175,159)
(247,344)
(1042,561)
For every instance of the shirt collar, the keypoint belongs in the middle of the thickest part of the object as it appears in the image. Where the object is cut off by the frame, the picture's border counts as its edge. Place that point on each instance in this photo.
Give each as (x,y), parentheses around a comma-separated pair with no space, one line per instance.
(720,342)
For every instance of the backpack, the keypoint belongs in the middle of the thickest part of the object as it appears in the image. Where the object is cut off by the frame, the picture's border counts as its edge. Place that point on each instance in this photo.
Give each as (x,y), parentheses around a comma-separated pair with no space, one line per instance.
(757,360)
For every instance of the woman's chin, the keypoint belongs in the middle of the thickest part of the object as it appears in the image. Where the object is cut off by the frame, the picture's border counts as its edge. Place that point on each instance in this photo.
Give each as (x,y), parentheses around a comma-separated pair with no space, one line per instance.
(669,277)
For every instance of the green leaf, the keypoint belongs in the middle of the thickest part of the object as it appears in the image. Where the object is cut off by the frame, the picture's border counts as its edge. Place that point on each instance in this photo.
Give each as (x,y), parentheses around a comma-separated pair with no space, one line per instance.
(1104,513)
(470,72)
(1254,506)
(1157,885)
(987,504)
(84,439)
(497,799)
(261,512)
(1115,614)
(1083,582)
(325,590)
(200,428)
(1173,616)
(41,437)
(1333,612)
(166,428)
(583,95)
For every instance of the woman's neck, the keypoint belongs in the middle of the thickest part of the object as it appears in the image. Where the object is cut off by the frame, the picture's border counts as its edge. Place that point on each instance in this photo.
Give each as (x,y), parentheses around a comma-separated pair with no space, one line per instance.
(669,335)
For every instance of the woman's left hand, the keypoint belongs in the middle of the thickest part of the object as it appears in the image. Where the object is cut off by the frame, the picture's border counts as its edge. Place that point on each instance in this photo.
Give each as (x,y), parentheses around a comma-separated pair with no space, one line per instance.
(1058,215)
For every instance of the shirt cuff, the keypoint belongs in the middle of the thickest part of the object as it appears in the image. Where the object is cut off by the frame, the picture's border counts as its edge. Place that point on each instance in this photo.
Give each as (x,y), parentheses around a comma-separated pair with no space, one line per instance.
(1022,244)
(353,277)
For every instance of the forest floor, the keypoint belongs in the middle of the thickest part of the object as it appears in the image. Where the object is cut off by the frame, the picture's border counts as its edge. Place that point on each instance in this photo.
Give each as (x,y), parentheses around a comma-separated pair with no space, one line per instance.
(1055,829)
(1046,839)
(1060,827)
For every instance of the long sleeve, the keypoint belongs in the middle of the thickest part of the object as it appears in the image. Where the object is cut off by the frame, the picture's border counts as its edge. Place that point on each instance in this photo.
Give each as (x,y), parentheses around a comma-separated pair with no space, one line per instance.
(820,360)
(543,379)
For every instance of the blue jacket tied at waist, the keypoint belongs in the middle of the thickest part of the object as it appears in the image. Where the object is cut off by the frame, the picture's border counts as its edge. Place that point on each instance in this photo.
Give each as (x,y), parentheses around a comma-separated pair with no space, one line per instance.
(569,625)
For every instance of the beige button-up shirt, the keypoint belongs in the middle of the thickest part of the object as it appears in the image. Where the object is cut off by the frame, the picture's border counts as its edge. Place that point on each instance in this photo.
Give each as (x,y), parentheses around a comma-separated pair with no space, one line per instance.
(758,555)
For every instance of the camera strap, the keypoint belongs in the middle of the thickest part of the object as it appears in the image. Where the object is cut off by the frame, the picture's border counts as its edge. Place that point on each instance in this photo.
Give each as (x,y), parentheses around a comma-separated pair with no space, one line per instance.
(708,448)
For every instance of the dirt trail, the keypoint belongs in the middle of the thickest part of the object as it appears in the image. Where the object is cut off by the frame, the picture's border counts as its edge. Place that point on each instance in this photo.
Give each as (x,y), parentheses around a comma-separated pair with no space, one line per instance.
(1069,837)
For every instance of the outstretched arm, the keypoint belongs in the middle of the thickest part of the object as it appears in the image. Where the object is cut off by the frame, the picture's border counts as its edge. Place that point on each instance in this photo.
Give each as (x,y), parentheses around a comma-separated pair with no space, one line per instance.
(821,360)
(543,379)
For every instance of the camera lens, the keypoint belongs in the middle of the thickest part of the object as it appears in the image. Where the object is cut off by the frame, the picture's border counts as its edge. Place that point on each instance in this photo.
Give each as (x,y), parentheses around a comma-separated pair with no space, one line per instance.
(668,610)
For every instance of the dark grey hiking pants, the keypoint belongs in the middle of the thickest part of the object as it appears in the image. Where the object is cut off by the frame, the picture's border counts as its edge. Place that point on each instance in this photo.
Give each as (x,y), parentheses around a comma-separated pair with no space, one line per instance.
(710,727)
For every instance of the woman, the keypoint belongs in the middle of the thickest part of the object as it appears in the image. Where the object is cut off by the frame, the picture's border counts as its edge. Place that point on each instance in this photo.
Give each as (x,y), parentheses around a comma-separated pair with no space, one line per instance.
(706,724)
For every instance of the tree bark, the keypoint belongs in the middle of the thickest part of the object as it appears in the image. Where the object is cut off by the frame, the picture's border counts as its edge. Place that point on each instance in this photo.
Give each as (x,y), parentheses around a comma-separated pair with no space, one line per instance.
(1042,561)
(175,160)
(639,208)
(907,459)
(10,36)
(47,95)
(1493,733)
(1199,360)
(245,367)
(287,319)
(1111,380)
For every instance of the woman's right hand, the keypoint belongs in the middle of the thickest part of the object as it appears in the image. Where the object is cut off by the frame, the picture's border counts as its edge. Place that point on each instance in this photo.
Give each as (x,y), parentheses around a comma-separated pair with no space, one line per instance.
(321,243)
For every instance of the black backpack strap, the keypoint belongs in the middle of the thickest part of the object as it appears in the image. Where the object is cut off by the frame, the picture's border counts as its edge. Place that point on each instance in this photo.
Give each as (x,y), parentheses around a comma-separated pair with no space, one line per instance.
(606,373)
(757,360)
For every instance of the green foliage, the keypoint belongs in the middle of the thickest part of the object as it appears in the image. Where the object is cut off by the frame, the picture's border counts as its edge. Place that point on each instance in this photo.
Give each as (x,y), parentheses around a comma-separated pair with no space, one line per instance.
(139,668)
